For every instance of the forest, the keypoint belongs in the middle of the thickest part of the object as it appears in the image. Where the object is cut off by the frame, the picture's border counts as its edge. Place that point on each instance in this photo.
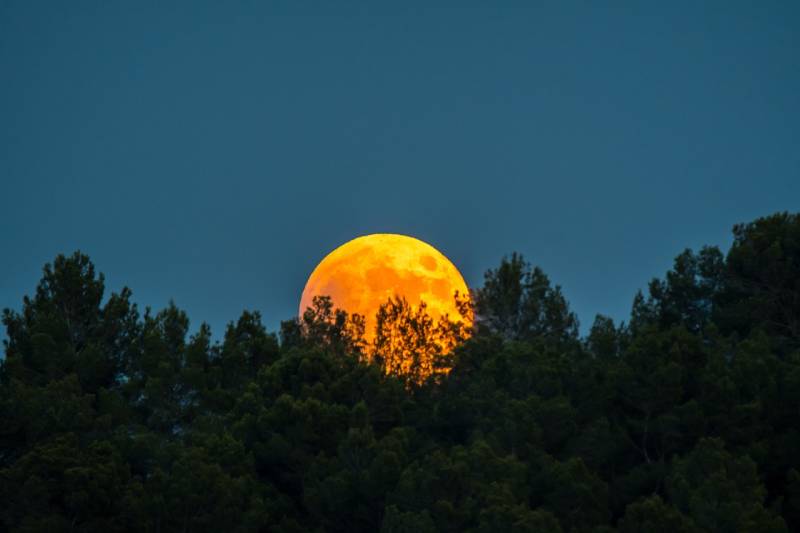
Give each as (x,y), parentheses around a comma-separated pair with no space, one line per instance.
(683,418)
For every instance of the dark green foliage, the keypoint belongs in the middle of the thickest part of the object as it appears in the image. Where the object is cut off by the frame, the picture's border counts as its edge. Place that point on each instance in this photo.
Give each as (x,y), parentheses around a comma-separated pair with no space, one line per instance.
(654,516)
(517,302)
(686,295)
(720,492)
(684,420)
(762,289)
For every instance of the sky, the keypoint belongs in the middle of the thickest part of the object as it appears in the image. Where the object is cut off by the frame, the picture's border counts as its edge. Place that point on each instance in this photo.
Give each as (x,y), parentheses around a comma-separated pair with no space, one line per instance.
(212,153)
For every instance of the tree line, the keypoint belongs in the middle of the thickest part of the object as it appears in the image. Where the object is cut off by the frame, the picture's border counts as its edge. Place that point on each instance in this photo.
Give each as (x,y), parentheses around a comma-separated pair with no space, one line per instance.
(684,418)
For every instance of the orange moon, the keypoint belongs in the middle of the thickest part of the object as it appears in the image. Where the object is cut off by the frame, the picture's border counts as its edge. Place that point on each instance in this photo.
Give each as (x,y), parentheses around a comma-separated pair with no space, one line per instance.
(364,273)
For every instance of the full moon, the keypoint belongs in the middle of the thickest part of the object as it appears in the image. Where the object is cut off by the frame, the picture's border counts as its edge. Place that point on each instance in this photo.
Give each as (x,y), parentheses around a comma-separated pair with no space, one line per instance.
(364,273)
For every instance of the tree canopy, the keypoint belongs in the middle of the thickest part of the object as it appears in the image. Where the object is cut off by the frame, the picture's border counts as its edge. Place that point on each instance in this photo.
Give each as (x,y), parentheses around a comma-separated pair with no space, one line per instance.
(684,418)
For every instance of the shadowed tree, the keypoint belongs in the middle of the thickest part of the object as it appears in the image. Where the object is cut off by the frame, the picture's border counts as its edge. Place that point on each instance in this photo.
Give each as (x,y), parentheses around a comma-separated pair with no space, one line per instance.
(406,341)
(322,325)
(654,516)
(518,303)
(605,339)
(246,347)
(685,420)
(686,295)
(721,492)
(763,280)
(65,325)
(411,343)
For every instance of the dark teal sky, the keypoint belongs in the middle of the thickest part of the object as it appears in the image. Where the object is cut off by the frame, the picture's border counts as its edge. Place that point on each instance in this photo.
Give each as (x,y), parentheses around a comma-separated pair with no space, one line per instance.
(214,153)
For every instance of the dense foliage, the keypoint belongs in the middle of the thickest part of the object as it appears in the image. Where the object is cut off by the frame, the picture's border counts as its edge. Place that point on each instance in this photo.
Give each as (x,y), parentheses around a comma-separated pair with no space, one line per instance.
(684,419)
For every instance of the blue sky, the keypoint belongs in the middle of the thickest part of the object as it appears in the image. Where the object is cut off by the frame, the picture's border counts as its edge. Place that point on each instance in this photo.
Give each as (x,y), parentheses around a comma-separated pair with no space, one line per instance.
(212,153)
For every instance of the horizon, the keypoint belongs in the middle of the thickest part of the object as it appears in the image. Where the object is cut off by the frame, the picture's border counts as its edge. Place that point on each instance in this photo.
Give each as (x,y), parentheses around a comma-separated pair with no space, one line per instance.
(219,332)
(213,156)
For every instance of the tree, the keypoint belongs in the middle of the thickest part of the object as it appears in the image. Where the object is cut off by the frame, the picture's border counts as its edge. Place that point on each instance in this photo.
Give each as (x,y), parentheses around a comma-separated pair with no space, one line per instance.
(721,492)
(762,274)
(605,338)
(322,325)
(518,303)
(686,419)
(654,516)
(687,294)
(246,348)
(65,326)
(411,343)
(60,485)
(396,521)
